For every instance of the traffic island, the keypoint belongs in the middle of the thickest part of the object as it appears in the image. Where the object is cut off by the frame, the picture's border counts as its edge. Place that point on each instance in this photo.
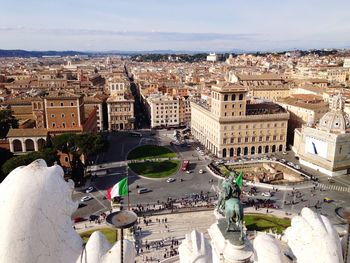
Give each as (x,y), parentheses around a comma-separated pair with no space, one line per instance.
(154,170)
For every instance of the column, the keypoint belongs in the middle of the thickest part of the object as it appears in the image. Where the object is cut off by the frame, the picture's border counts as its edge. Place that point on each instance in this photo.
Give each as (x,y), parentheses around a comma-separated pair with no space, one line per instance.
(36,148)
(24,148)
(11,146)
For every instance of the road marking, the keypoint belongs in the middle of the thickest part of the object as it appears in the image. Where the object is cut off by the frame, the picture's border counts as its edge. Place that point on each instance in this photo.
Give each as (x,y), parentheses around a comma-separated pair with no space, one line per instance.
(99,200)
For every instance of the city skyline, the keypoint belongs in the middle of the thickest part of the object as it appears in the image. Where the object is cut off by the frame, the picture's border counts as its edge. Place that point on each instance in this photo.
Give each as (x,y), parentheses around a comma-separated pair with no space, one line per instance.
(180,25)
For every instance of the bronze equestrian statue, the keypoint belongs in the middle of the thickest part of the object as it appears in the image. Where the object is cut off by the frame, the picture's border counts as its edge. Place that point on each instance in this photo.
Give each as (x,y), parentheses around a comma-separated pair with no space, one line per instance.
(230,205)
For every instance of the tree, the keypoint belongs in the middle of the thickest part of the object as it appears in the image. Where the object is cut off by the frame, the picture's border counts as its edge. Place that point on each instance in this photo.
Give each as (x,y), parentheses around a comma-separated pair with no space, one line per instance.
(4,156)
(6,122)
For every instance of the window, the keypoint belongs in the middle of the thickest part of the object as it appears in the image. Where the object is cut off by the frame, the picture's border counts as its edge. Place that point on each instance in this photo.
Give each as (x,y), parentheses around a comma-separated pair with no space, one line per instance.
(233,97)
(72,103)
(72,115)
(225,97)
(267,138)
(62,104)
(53,125)
(52,115)
(63,125)
(62,115)
(66,159)
(260,138)
(240,96)
(51,104)
(73,124)
(246,139)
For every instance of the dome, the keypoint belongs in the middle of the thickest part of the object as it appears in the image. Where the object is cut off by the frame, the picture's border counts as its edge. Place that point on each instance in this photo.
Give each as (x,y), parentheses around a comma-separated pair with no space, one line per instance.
(336,121)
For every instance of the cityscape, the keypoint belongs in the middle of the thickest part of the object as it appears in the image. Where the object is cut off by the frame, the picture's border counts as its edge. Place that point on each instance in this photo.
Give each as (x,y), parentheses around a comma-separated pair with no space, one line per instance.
(155,140)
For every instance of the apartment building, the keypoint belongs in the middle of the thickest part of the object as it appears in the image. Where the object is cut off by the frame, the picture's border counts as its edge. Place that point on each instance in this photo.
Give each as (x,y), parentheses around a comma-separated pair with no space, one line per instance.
(163,110)
(304,109)
(229,126)
(120,110)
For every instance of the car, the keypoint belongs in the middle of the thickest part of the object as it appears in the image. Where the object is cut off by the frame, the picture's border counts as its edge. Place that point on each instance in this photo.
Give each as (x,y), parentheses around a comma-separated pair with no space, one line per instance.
(78,219)
(188,172)
(170,180)
(266,194)
(86,198)
(297,167)
(290,164)
(284,152)
(201,171)
(89,189)
(143,190)
(328,200)
(330,180)
(93,217)
(283,160)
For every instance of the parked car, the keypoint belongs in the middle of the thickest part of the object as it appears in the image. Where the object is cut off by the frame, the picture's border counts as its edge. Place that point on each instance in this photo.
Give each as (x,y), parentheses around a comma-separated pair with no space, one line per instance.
(188,171)
(201,171)
(86,198)
(266,194)
(89,189)
(331,180)
(170,180)
(284,152)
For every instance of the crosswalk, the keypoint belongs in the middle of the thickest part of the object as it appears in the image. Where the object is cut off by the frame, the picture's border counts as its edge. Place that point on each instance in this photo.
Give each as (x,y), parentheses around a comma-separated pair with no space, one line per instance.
(338,188)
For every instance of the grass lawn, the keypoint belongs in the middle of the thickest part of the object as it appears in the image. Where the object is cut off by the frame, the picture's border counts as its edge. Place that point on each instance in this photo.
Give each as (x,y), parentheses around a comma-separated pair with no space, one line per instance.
(155,169)
(265,222)
(109,233)
(150,152)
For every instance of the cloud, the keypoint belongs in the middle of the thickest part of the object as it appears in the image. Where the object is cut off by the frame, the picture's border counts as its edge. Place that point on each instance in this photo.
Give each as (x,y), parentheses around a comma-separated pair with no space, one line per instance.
(145,35)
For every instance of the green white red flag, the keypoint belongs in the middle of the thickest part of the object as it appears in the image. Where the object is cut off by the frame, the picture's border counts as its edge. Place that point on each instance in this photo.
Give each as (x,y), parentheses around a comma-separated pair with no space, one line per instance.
(119,189)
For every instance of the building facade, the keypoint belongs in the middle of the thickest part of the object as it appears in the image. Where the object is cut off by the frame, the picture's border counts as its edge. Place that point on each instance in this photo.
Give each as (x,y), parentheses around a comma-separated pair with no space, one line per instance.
(326,146)
(230,127)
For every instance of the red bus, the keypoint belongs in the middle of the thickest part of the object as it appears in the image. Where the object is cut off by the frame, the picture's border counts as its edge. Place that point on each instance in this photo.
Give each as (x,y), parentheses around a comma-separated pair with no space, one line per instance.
(185,165)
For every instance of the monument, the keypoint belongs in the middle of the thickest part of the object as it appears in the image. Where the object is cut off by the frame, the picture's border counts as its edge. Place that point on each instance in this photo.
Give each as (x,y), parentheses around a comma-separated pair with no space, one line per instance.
(228,238)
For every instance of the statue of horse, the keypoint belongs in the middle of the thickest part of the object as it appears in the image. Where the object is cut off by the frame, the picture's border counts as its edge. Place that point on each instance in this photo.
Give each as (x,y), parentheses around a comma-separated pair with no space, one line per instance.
(234,214)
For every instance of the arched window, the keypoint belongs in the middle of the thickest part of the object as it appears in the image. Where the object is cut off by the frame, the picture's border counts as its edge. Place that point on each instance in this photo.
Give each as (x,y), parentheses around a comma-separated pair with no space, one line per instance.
(252,150)
(273,148)
(239,151)
(233,97)
(225,97)
(231,152)
(245,150)
(259,149)
(240,96)
(266,149)
(224,153)
(280,148)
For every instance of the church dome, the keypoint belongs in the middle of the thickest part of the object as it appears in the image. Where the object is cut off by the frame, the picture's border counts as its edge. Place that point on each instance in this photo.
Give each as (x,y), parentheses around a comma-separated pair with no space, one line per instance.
(335,120)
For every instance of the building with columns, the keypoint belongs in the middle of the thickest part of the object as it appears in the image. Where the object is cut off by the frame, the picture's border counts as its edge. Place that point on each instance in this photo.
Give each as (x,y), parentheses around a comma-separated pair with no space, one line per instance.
(229,126)
(26,140)
(325,147)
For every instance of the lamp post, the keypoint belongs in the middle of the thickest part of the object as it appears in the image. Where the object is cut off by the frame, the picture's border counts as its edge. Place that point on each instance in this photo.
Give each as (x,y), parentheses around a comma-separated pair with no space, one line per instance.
(120,220)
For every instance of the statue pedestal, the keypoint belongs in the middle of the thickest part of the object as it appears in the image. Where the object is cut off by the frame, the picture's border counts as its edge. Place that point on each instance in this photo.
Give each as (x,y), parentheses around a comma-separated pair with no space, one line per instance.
(227,246)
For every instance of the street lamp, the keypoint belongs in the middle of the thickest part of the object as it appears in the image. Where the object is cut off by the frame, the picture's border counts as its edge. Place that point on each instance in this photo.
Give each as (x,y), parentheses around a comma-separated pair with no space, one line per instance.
(120,220)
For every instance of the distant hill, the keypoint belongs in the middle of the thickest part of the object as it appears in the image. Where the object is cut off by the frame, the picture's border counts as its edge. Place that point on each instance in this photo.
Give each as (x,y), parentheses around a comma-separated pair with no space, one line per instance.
(25,53)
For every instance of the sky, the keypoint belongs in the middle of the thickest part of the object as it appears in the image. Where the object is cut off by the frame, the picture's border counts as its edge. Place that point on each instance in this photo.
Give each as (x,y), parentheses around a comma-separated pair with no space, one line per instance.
(196,25)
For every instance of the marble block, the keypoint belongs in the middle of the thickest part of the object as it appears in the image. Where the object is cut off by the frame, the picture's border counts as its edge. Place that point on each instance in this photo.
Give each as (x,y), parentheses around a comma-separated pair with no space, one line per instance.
(195,249)
(226,246)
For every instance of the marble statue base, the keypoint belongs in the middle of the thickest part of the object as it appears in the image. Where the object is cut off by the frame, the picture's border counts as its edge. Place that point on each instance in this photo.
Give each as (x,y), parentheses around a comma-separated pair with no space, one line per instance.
(227,246)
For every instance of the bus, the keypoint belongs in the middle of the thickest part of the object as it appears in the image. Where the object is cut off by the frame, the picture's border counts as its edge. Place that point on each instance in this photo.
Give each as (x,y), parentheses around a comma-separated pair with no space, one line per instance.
(185,165)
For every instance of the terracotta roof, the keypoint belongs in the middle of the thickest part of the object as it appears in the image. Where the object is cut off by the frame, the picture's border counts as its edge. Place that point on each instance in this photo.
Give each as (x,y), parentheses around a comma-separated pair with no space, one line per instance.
(27,133)
(260,77)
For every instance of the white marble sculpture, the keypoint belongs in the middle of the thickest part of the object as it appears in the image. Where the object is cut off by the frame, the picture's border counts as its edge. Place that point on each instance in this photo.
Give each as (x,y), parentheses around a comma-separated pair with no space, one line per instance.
(36,227)
(195,248)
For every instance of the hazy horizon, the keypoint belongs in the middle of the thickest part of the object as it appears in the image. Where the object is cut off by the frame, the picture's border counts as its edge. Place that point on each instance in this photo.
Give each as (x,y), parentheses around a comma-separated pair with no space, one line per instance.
(194,25)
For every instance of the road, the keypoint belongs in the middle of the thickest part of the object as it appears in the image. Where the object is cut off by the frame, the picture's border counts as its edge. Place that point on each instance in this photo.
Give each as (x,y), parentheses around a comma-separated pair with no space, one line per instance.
(122,143)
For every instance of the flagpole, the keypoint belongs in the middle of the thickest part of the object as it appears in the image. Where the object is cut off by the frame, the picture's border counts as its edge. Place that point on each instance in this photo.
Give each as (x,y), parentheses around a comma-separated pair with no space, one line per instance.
(127,182)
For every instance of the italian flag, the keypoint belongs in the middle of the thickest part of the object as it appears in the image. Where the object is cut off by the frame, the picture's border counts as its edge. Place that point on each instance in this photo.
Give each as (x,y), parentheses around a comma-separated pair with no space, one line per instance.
(119,189)
(239,179)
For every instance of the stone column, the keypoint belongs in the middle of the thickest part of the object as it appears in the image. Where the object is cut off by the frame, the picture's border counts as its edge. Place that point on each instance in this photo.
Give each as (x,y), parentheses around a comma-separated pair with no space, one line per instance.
(24,148)
(11,146)
(36,147)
